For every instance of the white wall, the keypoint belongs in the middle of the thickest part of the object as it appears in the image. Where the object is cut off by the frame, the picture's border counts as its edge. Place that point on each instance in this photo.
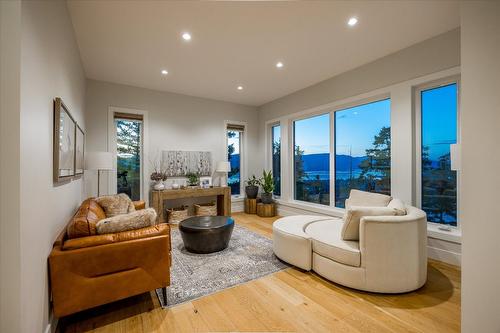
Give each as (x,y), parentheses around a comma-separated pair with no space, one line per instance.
(176,122)
(480,164)
(395,75)
(50,67)
(10,249)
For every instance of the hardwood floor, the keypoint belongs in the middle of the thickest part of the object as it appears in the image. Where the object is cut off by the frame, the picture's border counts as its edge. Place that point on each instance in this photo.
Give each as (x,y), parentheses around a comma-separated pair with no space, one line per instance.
(287,301)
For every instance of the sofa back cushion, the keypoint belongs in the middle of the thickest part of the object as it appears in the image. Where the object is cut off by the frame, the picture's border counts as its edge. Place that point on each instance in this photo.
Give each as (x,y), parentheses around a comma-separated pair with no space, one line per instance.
(84,221)
(367,199)
(350,229)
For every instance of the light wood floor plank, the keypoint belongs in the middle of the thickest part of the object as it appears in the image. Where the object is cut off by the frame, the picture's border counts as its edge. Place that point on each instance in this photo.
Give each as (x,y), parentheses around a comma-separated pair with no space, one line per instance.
(287,301)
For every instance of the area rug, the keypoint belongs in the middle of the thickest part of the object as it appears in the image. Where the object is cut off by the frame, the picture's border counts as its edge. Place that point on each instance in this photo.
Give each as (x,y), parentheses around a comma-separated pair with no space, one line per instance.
(249,256)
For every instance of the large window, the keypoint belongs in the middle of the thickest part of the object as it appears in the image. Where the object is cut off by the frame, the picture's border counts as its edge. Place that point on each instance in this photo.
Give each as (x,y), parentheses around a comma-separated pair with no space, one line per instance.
(276,158)
(438,109)
(234,149)
(363,149)
(129,154)
(312,159)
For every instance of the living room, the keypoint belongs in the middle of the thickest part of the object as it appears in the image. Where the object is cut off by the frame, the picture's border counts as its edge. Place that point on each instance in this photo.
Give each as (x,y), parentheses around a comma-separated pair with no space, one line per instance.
(265,166)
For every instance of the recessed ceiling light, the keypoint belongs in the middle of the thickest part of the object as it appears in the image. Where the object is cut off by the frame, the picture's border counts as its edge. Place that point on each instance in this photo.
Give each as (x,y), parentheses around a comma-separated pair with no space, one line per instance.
(240,88)
(279,65)
(352,21)
(164,72)
(186,36)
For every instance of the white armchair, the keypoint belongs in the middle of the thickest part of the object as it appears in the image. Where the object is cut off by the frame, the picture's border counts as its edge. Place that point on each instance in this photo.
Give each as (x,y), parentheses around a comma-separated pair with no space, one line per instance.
(389,257)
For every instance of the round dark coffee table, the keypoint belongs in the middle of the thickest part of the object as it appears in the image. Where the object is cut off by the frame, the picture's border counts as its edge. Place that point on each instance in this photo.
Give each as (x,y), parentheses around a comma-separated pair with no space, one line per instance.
(206,234)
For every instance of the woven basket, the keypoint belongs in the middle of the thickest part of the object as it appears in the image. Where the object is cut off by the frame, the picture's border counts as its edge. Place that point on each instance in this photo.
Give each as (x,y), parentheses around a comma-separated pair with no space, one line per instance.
(177,214)
(206,209)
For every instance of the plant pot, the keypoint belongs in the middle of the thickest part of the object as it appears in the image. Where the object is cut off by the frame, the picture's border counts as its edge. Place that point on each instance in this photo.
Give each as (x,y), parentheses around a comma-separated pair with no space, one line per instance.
(159,186)
(266,198)
(251,191)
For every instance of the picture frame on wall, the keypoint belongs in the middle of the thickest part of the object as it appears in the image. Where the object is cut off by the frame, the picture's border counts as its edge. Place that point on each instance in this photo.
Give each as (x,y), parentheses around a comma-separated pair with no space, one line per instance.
(64,143)
(79,151)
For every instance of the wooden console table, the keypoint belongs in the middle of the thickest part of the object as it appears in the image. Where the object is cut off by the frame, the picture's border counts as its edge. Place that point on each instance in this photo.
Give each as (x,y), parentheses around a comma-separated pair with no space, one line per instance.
(223,195)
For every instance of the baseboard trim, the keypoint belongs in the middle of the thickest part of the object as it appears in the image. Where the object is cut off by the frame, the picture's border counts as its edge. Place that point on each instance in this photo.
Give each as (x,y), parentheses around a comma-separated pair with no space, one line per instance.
(448,257)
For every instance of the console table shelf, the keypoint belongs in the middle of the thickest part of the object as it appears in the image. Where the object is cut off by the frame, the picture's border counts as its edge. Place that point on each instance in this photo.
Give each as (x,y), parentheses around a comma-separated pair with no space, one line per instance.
(223,195)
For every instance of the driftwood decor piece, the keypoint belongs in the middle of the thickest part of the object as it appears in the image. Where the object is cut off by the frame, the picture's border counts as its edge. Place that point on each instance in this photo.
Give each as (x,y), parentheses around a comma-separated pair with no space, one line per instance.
(180,163)
(64,143)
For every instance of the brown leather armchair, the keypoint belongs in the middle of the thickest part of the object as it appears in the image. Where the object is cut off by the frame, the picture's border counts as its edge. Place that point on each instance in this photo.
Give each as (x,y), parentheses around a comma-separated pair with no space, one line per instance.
(87,270)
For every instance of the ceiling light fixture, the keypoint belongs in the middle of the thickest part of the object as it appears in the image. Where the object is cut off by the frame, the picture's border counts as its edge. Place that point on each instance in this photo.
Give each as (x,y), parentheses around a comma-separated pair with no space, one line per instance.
(186,36)
(279,65)
(352,21)
(164,72)
(240,88)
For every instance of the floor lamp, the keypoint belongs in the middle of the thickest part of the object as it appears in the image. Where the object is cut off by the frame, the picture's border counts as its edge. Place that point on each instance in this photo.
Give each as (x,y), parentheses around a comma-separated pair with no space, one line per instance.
(99,161)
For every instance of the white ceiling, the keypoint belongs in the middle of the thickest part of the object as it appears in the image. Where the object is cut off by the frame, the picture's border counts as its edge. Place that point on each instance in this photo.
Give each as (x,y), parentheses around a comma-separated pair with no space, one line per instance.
(239,43)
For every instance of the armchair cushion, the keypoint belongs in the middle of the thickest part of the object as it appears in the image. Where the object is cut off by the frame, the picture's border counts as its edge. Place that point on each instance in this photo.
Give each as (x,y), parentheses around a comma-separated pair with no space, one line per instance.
(350,229)
(327,242)
(135,220)
(368,199)
(83,242)
(116,204)
(398,206)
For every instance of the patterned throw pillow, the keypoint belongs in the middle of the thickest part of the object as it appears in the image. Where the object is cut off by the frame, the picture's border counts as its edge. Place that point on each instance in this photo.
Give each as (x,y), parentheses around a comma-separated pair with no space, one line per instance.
(116,204)
(136,220)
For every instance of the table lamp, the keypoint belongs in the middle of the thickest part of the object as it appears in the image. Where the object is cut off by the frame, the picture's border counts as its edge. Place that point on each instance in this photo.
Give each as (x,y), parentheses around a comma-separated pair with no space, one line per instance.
(99,161)
(223,167)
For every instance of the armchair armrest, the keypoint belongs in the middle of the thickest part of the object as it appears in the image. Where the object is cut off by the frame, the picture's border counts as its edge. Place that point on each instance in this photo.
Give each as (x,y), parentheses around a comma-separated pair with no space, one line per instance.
(139,204)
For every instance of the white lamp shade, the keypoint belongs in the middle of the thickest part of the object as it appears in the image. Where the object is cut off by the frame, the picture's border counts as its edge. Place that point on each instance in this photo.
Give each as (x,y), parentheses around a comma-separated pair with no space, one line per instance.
(223,167)
(101,160)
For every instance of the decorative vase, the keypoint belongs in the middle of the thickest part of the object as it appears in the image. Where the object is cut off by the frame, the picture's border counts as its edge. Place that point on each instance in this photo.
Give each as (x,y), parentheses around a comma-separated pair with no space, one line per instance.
(251,191)
(266,198)
(175,186)
(159,186)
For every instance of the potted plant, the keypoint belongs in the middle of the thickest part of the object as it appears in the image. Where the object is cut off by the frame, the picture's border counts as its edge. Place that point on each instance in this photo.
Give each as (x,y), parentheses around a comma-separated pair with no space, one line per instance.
(252,188)
(267,186)
(193,179)
(157,177)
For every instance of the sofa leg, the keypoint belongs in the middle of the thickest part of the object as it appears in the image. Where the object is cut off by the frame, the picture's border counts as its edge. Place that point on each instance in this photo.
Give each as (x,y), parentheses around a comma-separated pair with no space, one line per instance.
(164,292)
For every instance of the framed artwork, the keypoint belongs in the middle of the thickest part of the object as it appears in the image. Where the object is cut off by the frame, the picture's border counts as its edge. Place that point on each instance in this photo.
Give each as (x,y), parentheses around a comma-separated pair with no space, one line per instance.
(79,151)
(205,182)
(64,142)
(179,163)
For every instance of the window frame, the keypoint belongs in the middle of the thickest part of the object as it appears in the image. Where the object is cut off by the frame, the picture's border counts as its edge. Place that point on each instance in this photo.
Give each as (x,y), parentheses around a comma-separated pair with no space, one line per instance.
(417,112)
(111,147)
(243,159)
(269,148)
(327,109)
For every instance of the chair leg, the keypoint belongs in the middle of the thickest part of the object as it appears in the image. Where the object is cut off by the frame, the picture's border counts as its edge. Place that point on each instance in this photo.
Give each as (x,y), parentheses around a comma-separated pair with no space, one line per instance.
(164,292)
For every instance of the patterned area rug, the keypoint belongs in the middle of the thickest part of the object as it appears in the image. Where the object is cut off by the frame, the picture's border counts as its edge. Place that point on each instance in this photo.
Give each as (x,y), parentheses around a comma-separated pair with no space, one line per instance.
(249,256)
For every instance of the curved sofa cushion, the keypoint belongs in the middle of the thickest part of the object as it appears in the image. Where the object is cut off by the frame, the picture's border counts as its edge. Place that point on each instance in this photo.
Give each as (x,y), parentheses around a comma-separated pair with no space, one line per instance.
(363,198)
(350,229)
(398,205)
(85,219)
(295,225)
(131,221)
(116,204)
(156,230)
(327,242)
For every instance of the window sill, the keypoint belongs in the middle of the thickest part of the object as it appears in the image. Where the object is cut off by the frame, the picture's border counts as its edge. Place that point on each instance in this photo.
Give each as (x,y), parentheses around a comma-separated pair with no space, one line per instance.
(313,208)
(454,235)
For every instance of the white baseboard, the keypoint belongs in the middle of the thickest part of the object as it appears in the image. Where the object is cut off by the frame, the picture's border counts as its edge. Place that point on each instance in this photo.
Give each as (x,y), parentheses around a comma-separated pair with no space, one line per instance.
(448,257)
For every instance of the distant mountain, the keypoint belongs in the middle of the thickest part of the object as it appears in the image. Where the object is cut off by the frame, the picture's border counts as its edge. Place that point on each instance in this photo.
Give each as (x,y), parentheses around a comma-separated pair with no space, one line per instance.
(319,162)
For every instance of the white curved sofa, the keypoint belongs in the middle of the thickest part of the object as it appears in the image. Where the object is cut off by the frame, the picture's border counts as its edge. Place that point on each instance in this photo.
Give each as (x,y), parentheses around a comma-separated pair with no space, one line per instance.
(389,257)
